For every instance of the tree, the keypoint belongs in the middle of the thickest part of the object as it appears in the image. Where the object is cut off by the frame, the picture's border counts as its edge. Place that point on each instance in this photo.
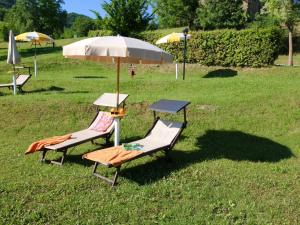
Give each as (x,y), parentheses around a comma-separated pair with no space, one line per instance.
(219,14)
(127,16)
(41,15)
(176,13)
(82,26)
(288,13)
(7,3)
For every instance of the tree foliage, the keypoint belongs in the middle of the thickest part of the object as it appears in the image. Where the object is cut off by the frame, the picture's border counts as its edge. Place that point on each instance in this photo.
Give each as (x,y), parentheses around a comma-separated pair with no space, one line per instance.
(82,26)
(45,16)
(219,14)
(7,3)
(176,13)
(127,16)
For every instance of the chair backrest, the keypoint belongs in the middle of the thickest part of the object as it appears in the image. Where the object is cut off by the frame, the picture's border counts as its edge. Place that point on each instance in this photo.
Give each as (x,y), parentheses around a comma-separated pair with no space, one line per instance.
(165,131)
(21,79)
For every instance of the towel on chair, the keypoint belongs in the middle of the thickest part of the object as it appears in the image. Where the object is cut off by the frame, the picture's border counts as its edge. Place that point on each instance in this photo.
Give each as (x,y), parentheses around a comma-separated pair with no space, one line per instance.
(114,155)
(38,145)
(103,122)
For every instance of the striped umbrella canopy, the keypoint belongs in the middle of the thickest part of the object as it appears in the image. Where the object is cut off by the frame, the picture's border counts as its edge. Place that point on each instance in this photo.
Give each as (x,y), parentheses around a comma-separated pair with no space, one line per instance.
(174,37)
(35,38)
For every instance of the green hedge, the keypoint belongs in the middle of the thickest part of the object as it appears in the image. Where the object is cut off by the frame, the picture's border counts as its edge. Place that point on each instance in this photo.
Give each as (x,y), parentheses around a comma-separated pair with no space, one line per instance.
(252,47)
(100,33)
(4,32)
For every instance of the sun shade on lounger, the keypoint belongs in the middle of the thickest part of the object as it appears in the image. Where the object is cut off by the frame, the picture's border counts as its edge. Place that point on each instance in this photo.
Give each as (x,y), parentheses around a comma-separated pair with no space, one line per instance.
(162,136)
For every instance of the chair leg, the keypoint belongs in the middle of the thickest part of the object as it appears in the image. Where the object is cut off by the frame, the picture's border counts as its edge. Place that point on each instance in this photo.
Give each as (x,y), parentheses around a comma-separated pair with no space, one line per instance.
(113,181)
(60,163)
(43,156)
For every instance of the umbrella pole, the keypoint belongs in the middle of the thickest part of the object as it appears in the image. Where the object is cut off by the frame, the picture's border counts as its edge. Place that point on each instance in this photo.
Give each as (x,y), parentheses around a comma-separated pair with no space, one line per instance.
(117,119)
(14,80)
(118,81)
(184,55)
(35,63)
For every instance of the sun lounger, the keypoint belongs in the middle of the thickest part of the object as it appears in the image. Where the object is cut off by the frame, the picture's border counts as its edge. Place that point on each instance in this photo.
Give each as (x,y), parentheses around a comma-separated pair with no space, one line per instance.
(21,79)
(20,82)
(161,137)
(86,135)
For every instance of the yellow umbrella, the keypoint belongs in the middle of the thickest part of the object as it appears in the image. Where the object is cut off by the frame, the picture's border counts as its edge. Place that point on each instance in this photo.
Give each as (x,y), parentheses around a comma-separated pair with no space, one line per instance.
(35,38)
(177,37)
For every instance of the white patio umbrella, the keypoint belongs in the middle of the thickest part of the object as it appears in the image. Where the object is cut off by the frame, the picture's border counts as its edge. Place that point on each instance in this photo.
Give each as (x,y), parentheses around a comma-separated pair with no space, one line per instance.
(13,57)
(117,49)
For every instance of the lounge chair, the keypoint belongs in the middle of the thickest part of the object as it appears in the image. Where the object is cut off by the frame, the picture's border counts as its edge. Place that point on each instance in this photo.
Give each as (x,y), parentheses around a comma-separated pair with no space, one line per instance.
(20,82)
(161,137)
(86,135)
(21,79)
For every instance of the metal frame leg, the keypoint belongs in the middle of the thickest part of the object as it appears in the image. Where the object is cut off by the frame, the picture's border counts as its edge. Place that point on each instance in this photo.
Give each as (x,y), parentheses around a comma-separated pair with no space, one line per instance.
(43,156)
(60,163)
(113,181)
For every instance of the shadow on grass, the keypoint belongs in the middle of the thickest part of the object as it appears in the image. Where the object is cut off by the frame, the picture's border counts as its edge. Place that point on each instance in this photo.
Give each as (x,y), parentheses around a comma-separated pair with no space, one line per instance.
(29,52)
(221,73)
(49,89)
(54,89)
(90,77)
(213,145)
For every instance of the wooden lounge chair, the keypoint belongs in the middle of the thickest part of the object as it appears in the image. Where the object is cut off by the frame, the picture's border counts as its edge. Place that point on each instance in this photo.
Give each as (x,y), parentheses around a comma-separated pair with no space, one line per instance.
(21,79)
(20,82)
(161,137)
(87,134)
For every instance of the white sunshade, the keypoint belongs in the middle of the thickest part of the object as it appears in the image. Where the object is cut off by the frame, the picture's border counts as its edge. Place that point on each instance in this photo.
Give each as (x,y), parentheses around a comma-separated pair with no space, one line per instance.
(13,56)
(107,49)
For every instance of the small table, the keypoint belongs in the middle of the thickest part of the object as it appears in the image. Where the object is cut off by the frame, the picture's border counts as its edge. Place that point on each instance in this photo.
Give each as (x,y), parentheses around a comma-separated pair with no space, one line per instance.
(110,100)
(169,106)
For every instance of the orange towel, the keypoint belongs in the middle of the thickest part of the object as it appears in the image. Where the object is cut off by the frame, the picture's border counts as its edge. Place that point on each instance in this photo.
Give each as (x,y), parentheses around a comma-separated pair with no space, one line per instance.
(114,155)
(38,145)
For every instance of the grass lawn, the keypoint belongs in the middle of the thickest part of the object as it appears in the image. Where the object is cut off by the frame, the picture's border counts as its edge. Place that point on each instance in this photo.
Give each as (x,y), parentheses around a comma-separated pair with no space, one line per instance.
(236,163)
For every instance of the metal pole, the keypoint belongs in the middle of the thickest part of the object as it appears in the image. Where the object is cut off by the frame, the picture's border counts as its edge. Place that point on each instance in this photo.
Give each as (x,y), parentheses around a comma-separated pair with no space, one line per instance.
(184,55)
(176,69)
(35,63)
(14,80)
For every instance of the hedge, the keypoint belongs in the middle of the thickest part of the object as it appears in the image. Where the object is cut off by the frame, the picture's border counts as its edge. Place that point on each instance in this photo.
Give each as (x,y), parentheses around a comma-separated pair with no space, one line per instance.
(100,33)
(244,48)
(4,32)
(251,47)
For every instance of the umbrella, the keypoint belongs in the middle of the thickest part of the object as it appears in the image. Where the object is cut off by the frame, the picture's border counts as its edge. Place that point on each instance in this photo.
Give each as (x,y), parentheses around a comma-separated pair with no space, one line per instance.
(13,57)
(174,37)
(35,38)
(117,49)
(177,37)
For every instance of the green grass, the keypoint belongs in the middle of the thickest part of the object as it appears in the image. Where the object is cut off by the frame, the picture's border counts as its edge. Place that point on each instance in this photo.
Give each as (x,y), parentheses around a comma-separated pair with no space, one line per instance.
(236,163)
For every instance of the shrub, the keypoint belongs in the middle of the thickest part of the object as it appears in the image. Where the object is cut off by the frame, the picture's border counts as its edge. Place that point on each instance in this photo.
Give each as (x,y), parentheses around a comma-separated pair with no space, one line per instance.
(252,47)
(100,33)
(4,32)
